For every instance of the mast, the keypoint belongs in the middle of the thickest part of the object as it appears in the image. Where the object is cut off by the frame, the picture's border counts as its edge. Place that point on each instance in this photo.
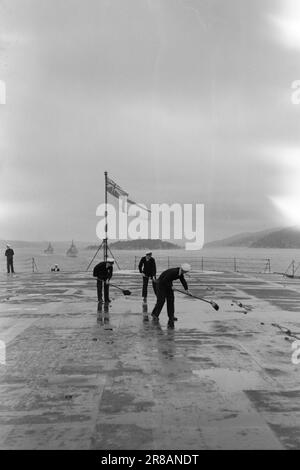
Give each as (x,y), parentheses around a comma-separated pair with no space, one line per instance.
(106,228)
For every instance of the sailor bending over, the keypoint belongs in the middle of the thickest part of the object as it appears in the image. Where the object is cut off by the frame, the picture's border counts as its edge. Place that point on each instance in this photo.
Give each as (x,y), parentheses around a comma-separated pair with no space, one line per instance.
(103,272)
(165,292)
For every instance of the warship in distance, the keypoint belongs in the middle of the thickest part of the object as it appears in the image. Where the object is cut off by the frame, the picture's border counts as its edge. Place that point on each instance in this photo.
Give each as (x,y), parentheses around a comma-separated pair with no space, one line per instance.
(49,250)
(72,251)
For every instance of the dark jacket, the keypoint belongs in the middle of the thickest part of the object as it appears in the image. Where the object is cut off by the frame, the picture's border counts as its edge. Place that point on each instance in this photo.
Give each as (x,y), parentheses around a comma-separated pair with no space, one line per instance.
(147,267)
(9,253)
(167,277)
(102,272)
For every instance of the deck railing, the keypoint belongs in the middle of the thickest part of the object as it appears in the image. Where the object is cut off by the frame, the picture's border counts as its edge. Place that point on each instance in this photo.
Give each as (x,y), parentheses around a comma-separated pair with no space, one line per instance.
(203,263)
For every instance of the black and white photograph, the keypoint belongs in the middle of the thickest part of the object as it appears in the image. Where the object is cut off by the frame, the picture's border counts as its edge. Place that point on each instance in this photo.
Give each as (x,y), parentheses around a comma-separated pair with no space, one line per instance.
(149,228)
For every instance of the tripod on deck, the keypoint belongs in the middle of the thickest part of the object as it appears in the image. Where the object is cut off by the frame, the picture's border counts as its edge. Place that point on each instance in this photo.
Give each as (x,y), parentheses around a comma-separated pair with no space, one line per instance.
(106,248)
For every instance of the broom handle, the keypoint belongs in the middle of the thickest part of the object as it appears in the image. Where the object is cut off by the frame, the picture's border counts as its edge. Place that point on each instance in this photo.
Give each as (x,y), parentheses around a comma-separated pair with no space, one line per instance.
(117,287)
(194,296)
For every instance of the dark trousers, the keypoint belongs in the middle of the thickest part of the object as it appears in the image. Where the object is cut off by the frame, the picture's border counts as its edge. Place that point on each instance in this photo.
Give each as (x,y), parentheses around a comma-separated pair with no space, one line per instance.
(10,265)
(164,293)
(99,290)
(145,286)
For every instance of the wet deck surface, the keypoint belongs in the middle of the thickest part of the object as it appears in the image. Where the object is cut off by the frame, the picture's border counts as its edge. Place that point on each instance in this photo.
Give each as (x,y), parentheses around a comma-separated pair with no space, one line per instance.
(80,378)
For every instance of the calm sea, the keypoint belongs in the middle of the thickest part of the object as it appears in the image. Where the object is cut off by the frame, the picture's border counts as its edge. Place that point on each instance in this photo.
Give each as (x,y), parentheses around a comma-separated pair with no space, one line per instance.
(229,259)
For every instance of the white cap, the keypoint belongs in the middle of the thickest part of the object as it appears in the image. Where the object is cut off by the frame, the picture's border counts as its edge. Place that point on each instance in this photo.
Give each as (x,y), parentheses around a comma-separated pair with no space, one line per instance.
(186,267)
(110,260)
(8,246)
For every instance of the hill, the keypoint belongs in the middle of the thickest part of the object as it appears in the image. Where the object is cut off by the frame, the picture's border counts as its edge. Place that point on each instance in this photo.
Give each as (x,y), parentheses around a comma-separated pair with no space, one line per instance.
(275,238)
(141,244)
(284,238)
(247,239)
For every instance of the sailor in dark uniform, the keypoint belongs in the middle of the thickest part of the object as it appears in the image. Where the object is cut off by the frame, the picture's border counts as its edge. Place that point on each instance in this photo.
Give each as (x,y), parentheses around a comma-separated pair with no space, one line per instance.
(103,272)
(147,267)
(165,292)
(9,253)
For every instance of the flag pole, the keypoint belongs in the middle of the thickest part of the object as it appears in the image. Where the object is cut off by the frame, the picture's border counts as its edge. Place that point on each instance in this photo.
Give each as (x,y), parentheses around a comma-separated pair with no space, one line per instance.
(106,228)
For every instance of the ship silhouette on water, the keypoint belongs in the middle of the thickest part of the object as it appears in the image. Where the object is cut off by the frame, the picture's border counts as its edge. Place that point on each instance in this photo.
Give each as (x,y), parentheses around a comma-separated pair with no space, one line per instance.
(49,250)
(72,251)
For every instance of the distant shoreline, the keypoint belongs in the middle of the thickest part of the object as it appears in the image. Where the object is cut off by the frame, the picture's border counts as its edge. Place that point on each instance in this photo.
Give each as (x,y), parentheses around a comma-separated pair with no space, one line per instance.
(134,245)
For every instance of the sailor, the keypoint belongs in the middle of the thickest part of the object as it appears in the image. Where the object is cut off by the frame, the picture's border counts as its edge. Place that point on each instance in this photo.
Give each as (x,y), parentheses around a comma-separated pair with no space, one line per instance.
(147,268)
(165,292)
(55,269)
(103,272)
(9,253)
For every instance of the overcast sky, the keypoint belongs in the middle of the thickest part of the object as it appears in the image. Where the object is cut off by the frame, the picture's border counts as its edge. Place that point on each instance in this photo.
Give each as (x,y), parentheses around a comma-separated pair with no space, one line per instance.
(179,100)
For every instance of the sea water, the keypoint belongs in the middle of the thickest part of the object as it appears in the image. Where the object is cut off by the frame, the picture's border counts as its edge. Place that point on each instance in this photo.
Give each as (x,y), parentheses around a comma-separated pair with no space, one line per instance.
(222,259)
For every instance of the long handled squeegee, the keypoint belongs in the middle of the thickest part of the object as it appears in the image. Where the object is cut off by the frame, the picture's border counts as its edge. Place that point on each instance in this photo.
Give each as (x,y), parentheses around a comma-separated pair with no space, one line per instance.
(211,302)
(125,291)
